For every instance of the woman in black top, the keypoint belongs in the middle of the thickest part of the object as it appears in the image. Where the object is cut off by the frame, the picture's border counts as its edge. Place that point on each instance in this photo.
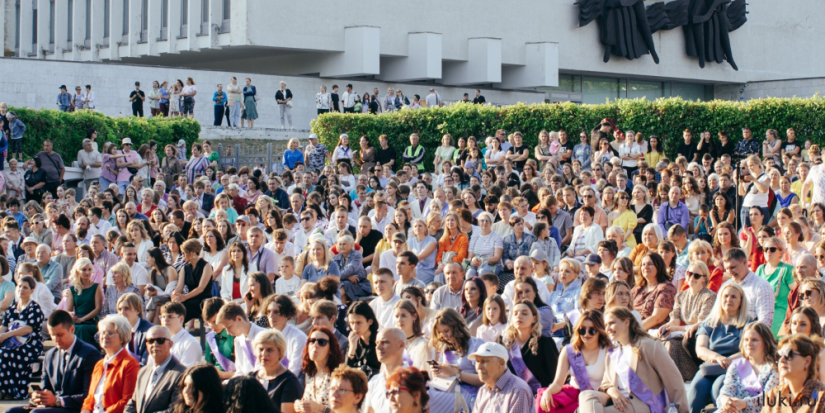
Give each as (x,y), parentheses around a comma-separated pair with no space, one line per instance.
(35,179)
(197,275)
(245,394)
(535,361)
(363,330)
(282,387)
(642,209)
(385,153)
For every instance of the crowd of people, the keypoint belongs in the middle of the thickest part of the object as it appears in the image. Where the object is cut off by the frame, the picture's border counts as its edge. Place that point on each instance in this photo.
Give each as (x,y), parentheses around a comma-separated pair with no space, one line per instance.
(597,275)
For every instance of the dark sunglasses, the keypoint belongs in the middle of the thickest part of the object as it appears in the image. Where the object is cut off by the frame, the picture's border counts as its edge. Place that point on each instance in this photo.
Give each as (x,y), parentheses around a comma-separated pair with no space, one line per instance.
(787,354)
(806,294)
(320,341)
(305,219)
(587,331)
(820,257)
(696,275)
(771,249)
(429,291)
(160,340)
(587,196)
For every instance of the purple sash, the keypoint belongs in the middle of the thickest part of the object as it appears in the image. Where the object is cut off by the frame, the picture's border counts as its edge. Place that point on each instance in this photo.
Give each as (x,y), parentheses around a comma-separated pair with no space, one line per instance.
(407,359)
(521,369)
(226,364)
(285,361)
(747,376)
(657,403)
(250,354)
(452,358)
(578,367)
(573,316)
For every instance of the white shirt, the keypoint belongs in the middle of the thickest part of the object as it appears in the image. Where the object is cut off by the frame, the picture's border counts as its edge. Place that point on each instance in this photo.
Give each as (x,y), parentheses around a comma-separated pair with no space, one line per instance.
(348,99)
(102,227)
(508,292)
(186,348)
(288,287)
(387,259)
(383,311)
(377,394)
(139,275)
(295,342)
(301,240)
(243,351)
(99,390)
(530,218)
(322,100)
(433,100)
(380,225)
(289,249)
(90,95)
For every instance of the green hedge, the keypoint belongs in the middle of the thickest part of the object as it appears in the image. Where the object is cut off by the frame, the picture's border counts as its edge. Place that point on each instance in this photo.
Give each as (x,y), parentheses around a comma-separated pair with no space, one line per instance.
(67,130)
(663,117)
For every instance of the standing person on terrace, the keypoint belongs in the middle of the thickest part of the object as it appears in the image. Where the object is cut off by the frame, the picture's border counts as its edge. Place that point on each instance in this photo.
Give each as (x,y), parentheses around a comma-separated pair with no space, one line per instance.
(414,154)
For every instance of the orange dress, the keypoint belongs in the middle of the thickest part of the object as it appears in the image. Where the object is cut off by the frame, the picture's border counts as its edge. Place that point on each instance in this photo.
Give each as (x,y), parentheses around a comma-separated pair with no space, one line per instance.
(459,247)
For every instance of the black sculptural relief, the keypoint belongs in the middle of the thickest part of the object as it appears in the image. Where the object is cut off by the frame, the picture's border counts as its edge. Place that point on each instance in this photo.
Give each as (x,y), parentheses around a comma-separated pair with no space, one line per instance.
(626,26)
(623,27)
(707,32)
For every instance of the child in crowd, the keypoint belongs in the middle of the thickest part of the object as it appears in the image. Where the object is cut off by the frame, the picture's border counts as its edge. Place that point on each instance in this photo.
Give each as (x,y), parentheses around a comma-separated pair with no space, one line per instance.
(220,347)
(287,283)
(494,319)
(702,225)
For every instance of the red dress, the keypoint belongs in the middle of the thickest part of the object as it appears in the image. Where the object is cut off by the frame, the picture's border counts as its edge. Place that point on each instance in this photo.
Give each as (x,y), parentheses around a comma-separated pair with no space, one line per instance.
(140,209)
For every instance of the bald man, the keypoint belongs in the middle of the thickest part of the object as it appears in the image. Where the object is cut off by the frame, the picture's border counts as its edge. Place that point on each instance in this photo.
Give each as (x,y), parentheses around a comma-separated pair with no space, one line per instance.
(389,347)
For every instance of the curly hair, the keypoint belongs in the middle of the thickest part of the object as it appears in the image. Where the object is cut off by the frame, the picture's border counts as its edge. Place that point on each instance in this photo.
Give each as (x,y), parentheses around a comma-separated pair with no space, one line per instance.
(334,359)
(510,335)
(461,335)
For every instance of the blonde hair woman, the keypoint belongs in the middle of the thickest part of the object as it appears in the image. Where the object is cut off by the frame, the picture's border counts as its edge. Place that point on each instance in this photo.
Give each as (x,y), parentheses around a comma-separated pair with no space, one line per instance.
(565,297)
(533,357)
(85,300)
(121,284)
(137,235)
(292,154)
(812,294)
(617,294)
(320,263)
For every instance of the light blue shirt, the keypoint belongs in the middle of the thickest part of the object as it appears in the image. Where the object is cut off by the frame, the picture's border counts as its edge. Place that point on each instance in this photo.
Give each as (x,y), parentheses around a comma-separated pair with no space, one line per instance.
(312,274)
(425,270)
(563,300)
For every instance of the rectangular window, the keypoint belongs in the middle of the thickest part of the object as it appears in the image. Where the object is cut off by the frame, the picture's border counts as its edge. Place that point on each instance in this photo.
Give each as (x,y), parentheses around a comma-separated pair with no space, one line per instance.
(567,83)
(227,16)
(88,20)
(184,18)
(144,20)
(51,23)
(597,90)
(204,17)
(107,21)
(648,90)
(691,91)
(17,24)
(34,26)
(164,19)
(125,17)
(69,28)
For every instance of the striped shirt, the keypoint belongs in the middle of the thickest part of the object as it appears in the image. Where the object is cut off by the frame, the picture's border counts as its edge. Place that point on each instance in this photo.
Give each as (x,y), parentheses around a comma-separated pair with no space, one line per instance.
(510,394)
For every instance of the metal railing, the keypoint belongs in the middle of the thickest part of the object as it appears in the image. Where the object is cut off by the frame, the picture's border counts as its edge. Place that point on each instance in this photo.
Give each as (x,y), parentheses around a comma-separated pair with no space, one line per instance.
(254,155)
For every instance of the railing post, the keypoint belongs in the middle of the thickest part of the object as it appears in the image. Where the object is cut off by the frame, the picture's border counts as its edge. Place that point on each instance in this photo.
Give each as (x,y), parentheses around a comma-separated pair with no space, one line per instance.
(238,156)
(269,157)
(221,156)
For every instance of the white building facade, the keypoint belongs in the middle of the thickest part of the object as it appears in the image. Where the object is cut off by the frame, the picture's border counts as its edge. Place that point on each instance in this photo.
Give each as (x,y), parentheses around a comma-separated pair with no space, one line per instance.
(522,51)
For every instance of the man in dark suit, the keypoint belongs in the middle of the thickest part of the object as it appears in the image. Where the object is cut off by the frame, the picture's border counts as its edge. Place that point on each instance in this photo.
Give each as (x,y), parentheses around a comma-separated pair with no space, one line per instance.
(67,370)
(205,201)
(158,381)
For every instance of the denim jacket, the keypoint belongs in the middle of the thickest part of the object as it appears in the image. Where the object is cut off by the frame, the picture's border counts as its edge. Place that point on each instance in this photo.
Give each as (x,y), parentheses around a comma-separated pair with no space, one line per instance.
(18,128)
(513,249)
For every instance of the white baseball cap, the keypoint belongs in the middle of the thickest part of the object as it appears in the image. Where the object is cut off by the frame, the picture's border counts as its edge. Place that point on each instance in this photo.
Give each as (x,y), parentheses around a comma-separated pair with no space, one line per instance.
(491,349)
(313,136)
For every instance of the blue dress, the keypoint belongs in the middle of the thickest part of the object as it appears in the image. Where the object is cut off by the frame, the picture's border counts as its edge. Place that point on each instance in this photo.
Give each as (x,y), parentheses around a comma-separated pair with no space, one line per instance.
(312,274)
(425,270)
(17,371)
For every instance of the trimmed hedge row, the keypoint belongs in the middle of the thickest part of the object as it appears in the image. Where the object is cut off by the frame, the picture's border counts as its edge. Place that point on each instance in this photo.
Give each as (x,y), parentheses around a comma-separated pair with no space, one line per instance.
(666,118)
(67,130)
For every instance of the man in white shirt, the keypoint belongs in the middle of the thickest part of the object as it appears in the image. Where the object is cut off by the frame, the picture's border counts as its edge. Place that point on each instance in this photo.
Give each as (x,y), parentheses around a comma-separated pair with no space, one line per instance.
(140,277)
(341,223)
(523,211)
(280,245)
(348,100)
(389,258)
(389,349)
(523,267)
(91,162)
(98,224)
(433,100)
(278,313)
(381,217)
(15,184)
(382,281)
(185,348)
(302,234)
(233,317)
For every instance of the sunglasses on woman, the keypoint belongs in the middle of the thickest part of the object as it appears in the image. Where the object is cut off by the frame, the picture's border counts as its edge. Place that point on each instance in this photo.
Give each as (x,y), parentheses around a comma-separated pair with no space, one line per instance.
(591,331)
(696,275)
(320,341)
(771,249)
(806,294)
(787,354)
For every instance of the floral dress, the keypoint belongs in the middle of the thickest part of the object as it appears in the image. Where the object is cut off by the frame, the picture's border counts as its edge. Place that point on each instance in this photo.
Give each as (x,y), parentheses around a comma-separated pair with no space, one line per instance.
(317,388)
(16,371)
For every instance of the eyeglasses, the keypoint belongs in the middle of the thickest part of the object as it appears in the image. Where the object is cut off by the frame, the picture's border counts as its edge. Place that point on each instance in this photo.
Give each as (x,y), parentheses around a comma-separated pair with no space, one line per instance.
(160,340)
(771,249)
(806,294)
(587,196)
(335,390)
(487,220)
(430,291)
(320,341)
(591,331)
(696,275)
(396,391)
(787,354)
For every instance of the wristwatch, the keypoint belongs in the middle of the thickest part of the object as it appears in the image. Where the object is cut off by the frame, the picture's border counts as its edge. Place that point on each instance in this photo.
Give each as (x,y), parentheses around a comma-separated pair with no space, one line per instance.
(58,402)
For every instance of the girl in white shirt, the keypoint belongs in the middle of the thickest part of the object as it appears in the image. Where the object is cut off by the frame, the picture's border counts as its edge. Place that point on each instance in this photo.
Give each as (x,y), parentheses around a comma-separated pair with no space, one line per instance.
(322,100)
(342,150)
(494,319)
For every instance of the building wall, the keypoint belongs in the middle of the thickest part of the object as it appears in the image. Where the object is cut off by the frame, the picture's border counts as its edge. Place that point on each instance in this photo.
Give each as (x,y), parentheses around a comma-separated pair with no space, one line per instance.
(802,88)
(34,84)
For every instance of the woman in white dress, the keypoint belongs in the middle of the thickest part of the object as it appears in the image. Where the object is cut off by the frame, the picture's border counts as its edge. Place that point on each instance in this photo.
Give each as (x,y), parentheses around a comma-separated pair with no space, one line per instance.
(137,235)
(215,252)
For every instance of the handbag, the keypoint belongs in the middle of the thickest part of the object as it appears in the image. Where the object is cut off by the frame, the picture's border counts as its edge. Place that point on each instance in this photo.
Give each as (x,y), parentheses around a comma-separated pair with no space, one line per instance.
(289,104)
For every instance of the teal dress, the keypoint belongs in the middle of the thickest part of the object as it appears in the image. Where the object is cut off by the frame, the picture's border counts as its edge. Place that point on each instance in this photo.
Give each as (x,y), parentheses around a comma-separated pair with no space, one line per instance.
(84,303)
(781,280)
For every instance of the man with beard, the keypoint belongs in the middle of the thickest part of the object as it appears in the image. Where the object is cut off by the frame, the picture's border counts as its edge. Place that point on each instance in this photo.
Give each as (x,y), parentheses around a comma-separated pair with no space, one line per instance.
(84,236)
(131,210)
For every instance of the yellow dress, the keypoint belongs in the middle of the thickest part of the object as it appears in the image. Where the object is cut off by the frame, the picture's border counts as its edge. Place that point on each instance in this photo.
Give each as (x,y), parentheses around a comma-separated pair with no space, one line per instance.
(627,221)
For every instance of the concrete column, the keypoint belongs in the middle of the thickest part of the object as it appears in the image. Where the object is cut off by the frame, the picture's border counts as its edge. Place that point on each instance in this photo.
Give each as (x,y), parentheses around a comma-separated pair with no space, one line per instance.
(238,24)
(194,25)
(42,28)
(115,28)
(541,68)
(483,64)
(26,27)
(61,10)
(153,28)
(174,25)
(423,60)
(361,55)
(215,21)
(133,37)
(98,21)
(78,27)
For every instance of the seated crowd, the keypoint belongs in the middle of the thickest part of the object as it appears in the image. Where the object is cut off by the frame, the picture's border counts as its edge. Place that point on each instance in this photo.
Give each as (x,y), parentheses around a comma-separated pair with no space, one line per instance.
(598,278)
